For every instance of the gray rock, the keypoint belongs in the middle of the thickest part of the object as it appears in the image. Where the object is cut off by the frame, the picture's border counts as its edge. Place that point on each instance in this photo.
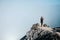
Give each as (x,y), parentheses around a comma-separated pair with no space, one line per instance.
(42,33)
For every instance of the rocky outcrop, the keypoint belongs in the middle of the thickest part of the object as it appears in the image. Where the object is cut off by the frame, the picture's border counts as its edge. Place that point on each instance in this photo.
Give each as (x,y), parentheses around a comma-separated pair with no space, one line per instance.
(42,33)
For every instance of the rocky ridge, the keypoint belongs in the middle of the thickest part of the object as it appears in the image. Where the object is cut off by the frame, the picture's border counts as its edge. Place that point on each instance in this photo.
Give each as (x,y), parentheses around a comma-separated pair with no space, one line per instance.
(41,33)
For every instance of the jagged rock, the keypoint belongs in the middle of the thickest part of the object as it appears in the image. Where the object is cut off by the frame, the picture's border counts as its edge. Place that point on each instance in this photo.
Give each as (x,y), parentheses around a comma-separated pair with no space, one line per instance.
(45,25)
(42,33)
(35,26)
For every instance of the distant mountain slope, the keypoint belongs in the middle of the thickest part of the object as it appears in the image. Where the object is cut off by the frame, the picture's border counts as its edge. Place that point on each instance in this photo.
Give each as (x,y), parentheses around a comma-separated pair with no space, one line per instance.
(57,29)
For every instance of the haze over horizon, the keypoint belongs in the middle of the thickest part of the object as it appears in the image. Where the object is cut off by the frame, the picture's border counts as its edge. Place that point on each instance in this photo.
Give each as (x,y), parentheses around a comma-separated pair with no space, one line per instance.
(17,16)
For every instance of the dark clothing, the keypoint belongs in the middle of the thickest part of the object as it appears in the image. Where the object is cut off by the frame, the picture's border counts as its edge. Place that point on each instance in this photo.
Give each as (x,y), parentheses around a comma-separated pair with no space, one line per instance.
(41,21)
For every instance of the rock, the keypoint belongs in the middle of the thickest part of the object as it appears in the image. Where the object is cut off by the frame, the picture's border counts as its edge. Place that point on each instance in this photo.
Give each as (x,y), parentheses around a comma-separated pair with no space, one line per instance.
(42,33)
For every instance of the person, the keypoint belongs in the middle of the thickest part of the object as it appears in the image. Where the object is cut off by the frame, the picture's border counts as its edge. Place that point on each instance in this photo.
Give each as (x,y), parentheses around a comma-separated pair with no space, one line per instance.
(41,20)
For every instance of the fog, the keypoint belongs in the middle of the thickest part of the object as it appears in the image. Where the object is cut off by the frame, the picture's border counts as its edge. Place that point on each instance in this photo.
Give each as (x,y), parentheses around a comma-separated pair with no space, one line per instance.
(17,17)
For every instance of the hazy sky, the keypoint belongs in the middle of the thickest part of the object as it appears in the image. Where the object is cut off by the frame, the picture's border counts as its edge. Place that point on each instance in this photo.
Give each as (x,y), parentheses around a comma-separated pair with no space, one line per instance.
(17,16)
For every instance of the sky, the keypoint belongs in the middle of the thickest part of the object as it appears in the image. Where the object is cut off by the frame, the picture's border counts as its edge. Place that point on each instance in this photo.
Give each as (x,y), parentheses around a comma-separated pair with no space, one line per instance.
(18,16)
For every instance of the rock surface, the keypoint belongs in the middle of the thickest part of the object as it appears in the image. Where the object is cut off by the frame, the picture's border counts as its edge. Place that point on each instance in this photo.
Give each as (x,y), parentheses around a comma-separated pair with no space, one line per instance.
(42,33)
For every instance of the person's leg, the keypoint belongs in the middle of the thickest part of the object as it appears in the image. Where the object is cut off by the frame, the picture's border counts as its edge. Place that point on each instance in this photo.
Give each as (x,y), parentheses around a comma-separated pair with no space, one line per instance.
(41,24)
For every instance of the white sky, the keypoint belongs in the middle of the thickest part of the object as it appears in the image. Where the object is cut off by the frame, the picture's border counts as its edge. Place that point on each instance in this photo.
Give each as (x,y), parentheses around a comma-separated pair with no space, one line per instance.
(17,16)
